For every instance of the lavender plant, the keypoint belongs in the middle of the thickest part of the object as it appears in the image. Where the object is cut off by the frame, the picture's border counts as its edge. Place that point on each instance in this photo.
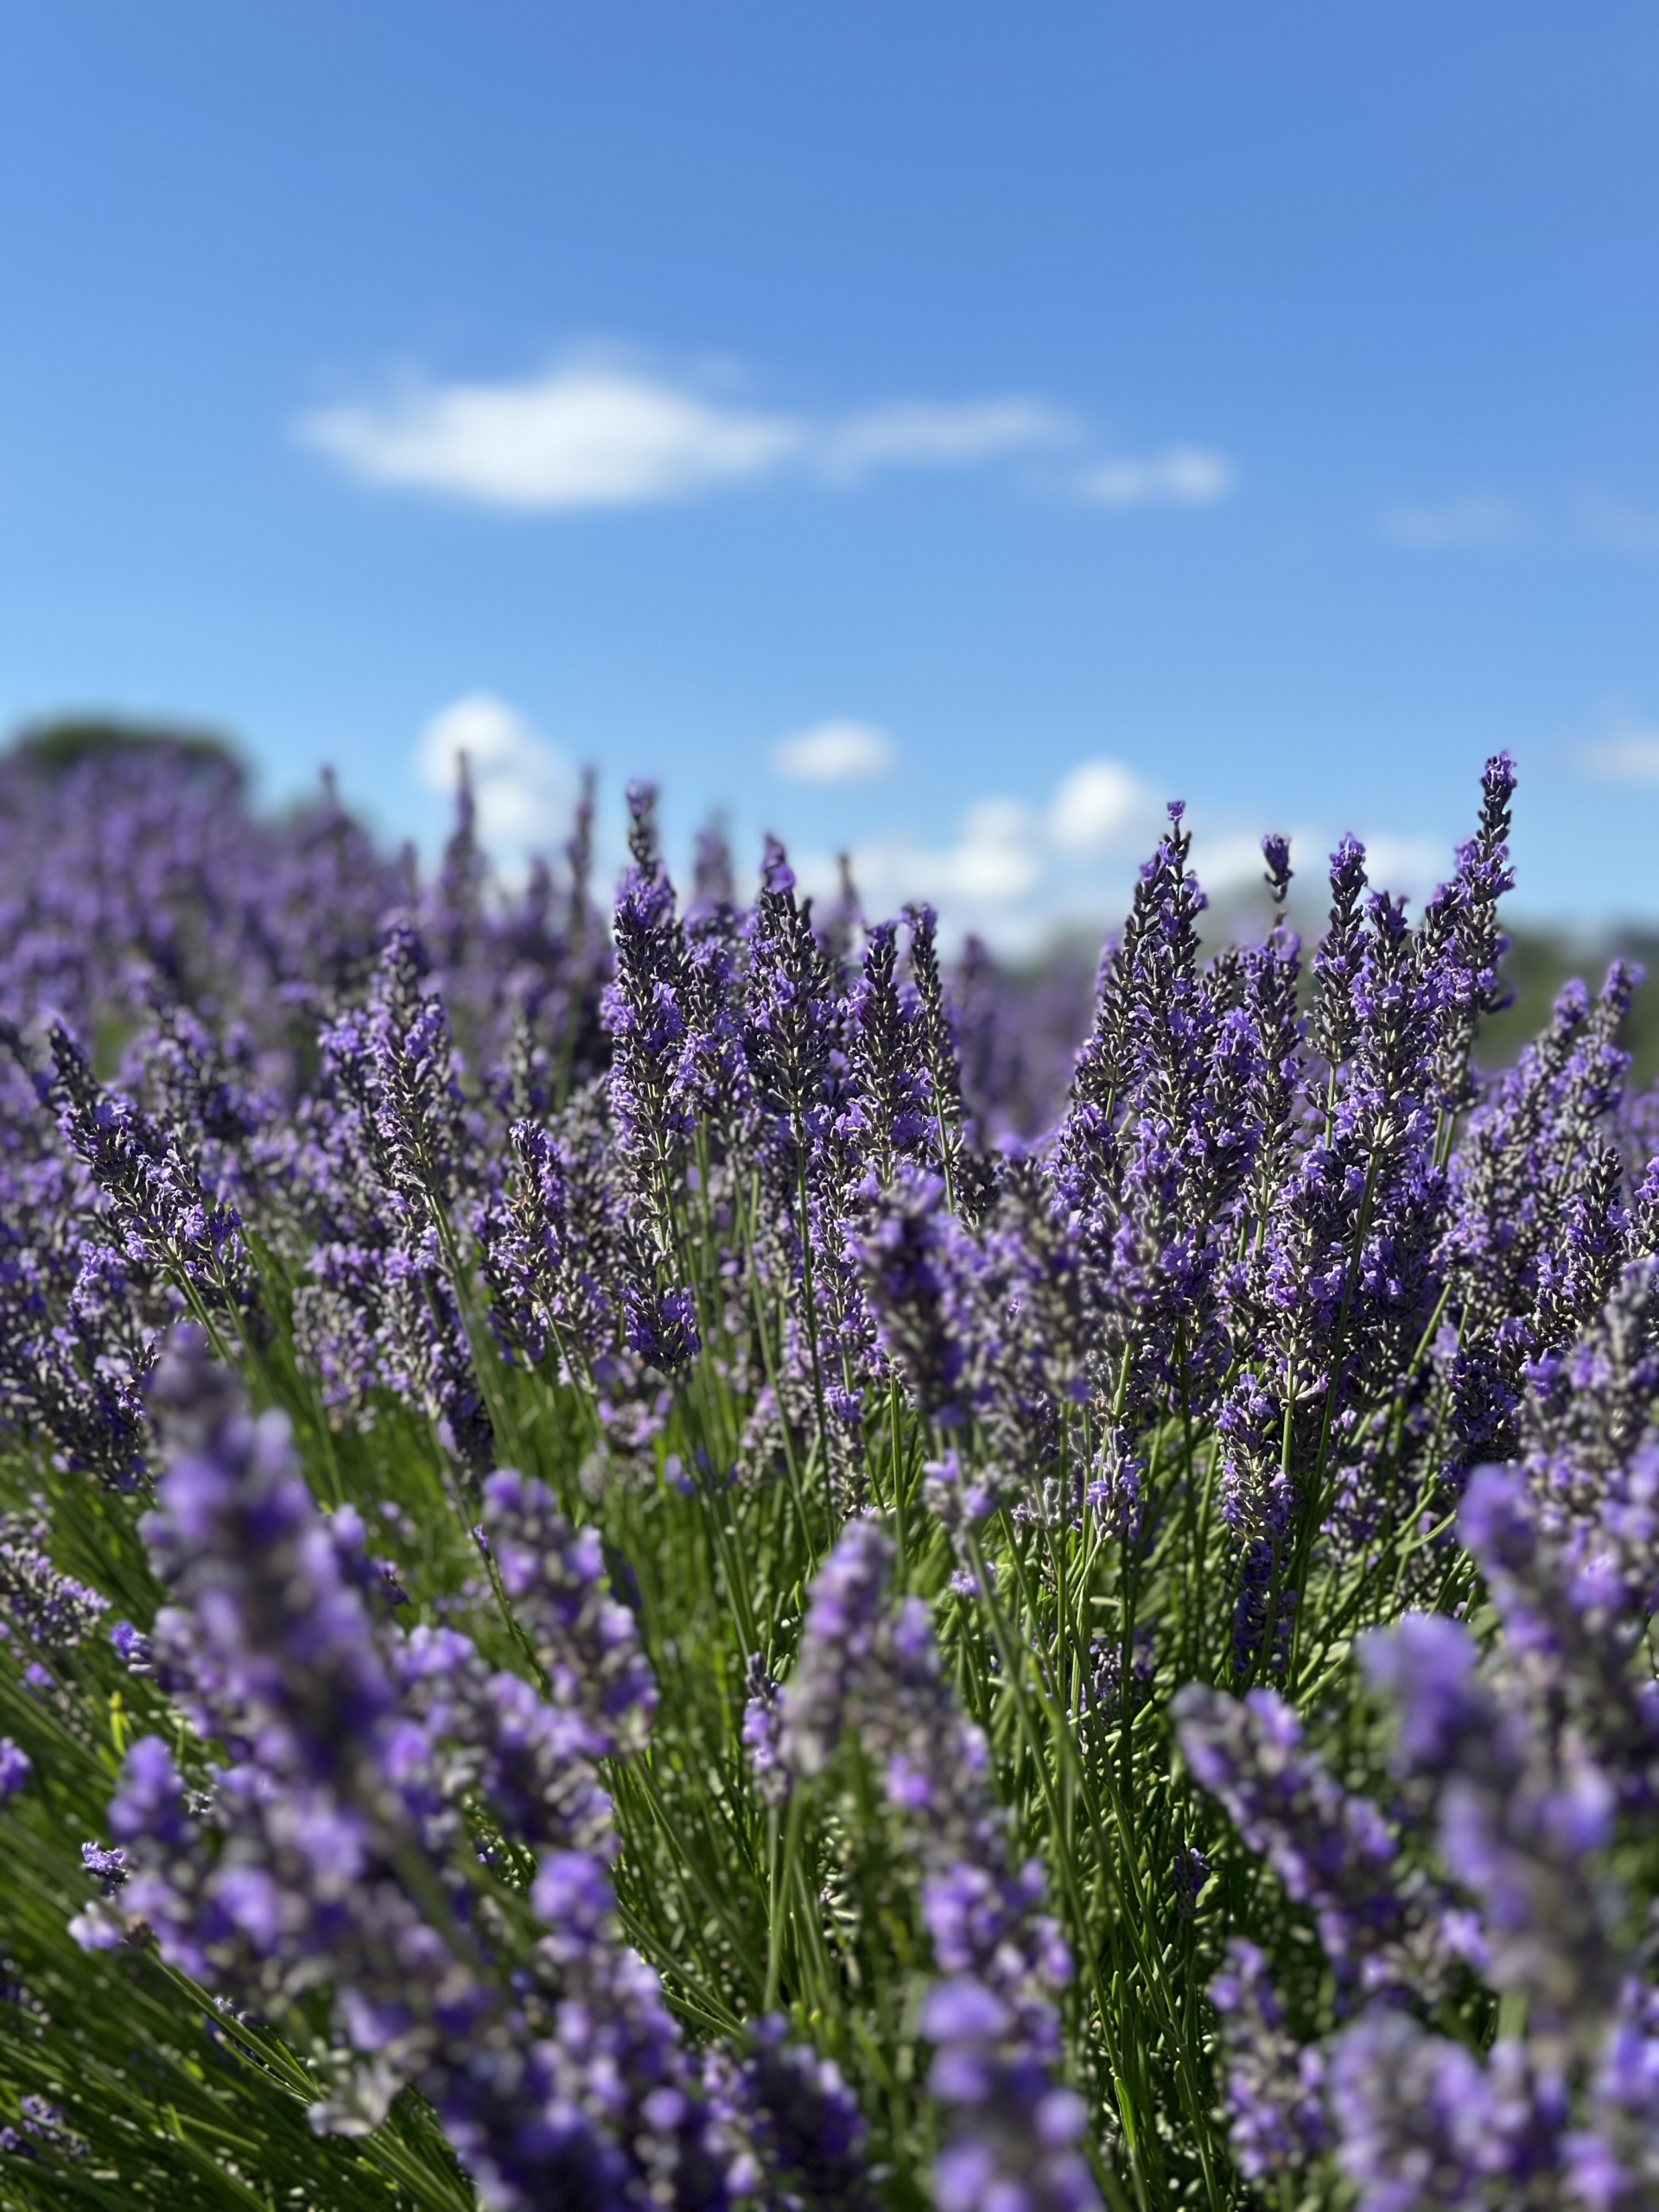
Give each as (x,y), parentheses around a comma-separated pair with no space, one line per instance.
(623,1583)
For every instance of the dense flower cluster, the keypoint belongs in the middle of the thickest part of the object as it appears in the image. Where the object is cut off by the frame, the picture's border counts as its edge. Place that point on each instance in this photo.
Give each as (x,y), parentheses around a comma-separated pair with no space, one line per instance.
(640,1566)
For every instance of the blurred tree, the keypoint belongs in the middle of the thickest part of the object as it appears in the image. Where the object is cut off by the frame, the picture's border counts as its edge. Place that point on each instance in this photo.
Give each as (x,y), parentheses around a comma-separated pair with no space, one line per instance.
(53,747)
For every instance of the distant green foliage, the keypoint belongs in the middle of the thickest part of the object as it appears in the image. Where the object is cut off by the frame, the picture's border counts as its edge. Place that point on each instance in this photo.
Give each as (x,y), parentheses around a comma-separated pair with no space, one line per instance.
(54,746)
(1540,960)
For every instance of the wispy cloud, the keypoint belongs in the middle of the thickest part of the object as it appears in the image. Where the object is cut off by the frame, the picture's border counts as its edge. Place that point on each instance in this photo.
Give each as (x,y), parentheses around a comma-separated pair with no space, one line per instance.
(835,752)
(1628,754)
(524,786)
(915,436)
(1182,476)
(1476,518)
(597,431)
(1618,523)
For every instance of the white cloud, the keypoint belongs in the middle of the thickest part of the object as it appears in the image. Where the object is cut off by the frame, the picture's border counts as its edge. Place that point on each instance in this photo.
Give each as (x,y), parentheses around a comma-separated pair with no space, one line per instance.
(1096,804)
(595,430)
(982,878)
(1232,863)
(999,856)
(1615,522)
(1009,860)
(1014,872)
(1182,476)
(593,433)
(835,752)
(523,786)
(917,435)
(1010,870)
(1411,867)
(581,437)
(1017,874)
(1628,755)
(1477,520)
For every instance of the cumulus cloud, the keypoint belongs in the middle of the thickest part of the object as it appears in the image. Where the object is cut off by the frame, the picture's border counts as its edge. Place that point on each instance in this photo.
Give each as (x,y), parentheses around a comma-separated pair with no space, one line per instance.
(598,431)
(1476,519)
(524,786)
(1096,804)
(999,854)
(592,433)
(835,752)
(1015,873)
(1230,864)
(577,437)
(1010,870)
(981,875)
(1412,867)
(1182,476)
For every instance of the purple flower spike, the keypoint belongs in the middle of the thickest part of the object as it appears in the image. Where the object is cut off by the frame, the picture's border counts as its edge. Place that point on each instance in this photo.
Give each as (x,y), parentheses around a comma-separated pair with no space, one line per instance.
(645,1012)
(15,1769)
(587,1643)
(1516,1829)
(798,2135)
(1573,1625)
(991,2018)
(51,1611)
(332,1851)
(1331,1850)
(1275,850)
(843,1615)
(1275,2102)
(1415,2115)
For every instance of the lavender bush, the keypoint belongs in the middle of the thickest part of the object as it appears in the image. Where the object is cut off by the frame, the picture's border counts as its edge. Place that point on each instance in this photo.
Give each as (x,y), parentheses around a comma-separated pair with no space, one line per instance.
(622,1584)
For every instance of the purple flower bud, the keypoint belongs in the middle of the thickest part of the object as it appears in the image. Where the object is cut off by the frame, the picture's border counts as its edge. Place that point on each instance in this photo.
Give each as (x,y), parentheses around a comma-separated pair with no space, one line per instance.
(15,1769)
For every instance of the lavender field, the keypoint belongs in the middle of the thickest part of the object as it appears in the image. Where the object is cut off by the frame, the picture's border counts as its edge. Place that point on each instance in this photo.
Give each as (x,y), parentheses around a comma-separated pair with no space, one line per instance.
(648,1559)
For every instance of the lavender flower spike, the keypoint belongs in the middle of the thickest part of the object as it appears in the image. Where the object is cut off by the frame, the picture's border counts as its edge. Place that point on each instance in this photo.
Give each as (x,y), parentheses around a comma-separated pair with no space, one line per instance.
(15,1769)
(843,1617)
(1275,2104)
(1521,1832)
(1412,2111)
(1015,2131)
(797,2133)
(1331,1849)
(585,1642)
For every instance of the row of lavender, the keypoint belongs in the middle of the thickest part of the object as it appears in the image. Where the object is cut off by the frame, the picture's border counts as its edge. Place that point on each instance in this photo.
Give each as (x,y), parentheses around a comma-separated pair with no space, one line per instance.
(613,1595)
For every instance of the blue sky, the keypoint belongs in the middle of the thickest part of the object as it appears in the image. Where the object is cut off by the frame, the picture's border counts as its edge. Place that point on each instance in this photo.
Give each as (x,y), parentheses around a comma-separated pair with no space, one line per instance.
(941,429)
